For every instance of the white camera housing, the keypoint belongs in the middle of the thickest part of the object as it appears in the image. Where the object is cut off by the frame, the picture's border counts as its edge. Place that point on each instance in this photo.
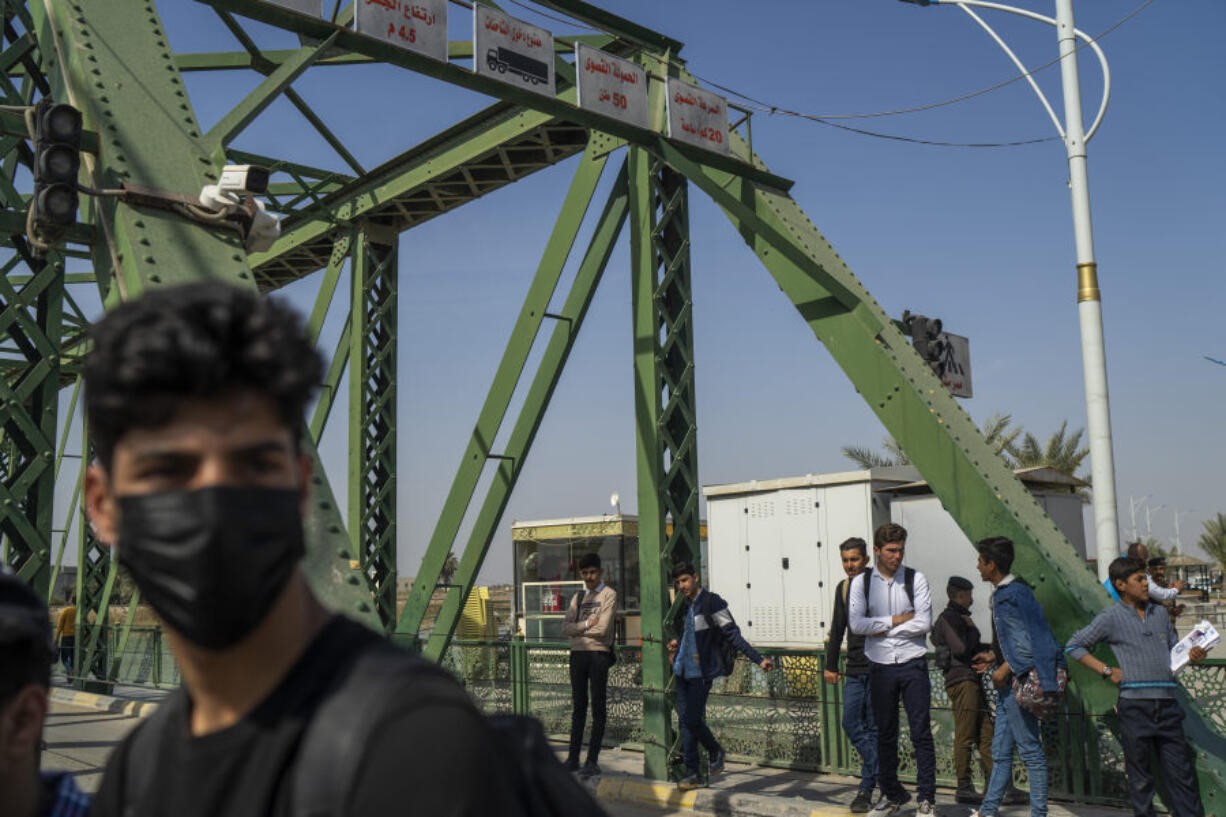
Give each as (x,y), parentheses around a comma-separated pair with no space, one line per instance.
(244,180)
(265,229)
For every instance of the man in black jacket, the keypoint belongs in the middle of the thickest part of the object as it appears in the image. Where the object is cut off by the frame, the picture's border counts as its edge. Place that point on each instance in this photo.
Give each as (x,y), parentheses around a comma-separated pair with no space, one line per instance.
(963,657)
(858,720)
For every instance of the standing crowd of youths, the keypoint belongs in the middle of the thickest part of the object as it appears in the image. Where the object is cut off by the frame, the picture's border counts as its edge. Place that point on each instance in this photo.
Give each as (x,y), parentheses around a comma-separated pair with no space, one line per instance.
(194,398)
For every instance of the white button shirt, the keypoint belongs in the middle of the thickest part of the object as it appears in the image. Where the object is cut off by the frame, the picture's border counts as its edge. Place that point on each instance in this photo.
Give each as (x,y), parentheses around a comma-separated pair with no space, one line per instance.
(887,598)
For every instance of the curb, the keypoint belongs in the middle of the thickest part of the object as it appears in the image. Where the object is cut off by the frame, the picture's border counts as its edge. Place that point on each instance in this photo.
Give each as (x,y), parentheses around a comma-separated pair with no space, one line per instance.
(705,801)
(104,703)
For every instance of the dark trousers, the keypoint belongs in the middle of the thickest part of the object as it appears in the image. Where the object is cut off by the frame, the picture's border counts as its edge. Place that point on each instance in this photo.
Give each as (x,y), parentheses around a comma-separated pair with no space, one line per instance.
(692,712)
(1147,724)
(972,727)
(908,683)
(67,643)
(588,670)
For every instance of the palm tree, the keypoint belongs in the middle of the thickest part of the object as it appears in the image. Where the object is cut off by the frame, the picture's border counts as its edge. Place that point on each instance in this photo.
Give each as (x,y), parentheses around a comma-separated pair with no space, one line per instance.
(1213,540)
(450,566)
(1062,451)
(996,430)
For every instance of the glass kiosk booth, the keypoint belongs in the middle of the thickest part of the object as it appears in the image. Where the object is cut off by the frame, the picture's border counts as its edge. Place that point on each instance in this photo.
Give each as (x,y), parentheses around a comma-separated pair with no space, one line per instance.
(546,561)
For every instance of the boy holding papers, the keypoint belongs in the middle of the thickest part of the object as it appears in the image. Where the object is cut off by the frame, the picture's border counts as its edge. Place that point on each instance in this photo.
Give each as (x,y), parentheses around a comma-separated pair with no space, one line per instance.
(1140,633)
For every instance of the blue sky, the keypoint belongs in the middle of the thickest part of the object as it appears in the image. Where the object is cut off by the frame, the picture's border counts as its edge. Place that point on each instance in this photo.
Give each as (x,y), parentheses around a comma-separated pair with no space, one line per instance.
(980,237)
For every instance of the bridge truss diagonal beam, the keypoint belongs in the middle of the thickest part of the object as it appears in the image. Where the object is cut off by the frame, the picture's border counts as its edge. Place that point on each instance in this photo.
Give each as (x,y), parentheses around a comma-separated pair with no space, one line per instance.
(498,399)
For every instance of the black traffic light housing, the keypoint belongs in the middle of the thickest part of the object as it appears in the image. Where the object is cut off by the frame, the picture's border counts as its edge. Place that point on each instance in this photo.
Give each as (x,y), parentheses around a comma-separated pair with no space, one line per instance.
(925,338)
(57,160)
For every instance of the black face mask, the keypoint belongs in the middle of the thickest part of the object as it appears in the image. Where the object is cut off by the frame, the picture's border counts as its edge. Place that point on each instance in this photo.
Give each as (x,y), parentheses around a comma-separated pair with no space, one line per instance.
(211,562)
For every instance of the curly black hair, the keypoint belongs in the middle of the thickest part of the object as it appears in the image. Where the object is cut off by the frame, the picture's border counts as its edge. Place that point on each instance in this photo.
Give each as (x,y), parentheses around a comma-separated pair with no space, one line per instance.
(206,339)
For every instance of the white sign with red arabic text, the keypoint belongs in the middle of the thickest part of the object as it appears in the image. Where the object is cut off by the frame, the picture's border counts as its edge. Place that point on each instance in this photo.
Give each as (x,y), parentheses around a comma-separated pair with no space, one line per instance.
(611,86)
(696,116)
(414,25)
(512,51)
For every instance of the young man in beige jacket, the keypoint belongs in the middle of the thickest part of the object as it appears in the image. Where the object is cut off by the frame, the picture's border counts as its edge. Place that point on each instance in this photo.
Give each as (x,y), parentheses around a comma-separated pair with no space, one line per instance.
(589,623)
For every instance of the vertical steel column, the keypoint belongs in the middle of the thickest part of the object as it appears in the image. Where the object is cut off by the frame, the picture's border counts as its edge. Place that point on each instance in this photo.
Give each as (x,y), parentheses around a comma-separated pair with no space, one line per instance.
(31,320)
(665,428)
(372,415)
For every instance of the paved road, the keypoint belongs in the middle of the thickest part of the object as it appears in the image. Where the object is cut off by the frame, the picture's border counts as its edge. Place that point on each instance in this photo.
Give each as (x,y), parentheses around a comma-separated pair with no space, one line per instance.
(80,740)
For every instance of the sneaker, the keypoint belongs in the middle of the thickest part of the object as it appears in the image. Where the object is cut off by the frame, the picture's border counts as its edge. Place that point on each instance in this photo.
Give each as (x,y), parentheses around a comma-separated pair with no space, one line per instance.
(887,807)
(690,781)
(966,793)
(925,808)
(717,763)
(1015,797)
(590,769)
(571,764)
(862,803)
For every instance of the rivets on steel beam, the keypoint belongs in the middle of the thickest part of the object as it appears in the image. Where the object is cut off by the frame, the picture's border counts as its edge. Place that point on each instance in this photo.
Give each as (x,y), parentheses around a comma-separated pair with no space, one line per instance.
(342,553)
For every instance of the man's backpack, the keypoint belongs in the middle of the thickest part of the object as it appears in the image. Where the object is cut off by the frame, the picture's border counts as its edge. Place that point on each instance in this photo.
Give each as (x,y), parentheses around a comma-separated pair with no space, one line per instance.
(329,760)
(908,583)
(727,650)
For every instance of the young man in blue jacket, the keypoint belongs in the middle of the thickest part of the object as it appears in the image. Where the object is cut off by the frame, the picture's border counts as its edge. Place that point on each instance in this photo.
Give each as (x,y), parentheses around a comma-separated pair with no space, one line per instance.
(697,662)
(1027,646)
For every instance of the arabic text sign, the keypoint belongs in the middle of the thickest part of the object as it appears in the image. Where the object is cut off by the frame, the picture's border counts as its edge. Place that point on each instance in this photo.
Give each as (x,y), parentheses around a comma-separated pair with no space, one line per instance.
(414,25)
(697,116)
(611,86)
(315,8)
(956,364)
(512,50)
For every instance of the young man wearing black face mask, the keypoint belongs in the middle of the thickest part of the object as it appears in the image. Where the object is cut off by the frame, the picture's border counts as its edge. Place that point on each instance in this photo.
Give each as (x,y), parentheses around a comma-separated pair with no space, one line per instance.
(194,398)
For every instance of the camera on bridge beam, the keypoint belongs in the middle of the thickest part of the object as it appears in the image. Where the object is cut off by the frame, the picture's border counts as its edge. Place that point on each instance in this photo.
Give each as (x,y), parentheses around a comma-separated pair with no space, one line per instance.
(926,338)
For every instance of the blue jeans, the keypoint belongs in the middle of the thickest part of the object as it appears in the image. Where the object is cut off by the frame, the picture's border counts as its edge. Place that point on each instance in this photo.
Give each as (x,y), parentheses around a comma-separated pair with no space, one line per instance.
(860,728)
(1015,727)
(692,712)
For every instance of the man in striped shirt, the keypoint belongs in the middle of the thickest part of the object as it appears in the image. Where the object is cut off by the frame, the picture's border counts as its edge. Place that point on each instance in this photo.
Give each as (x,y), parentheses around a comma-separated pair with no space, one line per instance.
(1141,635)
(26,653)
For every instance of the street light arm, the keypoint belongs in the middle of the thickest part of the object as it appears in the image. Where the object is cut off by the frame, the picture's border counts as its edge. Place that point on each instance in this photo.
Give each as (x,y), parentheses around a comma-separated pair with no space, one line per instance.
(1020,66)
(1051,21)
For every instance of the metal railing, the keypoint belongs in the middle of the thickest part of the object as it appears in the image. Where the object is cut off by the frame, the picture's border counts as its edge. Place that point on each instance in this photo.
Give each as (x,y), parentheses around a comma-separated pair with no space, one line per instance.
(788,717)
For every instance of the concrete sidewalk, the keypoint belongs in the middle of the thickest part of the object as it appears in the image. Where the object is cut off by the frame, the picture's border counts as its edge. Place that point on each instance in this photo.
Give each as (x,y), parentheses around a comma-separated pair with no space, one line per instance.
(743,790)
(758,791)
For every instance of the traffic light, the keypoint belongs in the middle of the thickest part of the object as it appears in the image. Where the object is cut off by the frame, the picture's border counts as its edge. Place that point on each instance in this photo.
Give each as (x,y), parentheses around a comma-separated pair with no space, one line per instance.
(57,159)
(925,338)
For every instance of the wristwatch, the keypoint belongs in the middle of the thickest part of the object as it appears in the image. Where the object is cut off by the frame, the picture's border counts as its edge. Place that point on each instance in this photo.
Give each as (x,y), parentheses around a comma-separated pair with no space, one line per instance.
(1106,671)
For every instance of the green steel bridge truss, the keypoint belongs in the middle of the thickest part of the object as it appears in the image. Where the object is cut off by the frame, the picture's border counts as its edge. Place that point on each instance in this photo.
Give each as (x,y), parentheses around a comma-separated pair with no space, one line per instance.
(111,60)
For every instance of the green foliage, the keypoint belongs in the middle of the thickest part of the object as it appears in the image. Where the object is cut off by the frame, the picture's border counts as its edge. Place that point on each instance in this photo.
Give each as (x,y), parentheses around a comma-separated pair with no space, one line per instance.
(450,566)
(1213,540)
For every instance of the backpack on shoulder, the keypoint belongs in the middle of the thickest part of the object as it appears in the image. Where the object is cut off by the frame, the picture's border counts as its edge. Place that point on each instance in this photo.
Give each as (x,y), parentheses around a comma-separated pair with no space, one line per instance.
(943,655)
(330,757)
(908,584)
(727,650)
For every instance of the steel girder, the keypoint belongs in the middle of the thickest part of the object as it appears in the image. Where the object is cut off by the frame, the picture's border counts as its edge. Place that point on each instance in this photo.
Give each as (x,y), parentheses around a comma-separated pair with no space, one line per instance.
(109,59)
(372,414)
(479,449)
(665,430)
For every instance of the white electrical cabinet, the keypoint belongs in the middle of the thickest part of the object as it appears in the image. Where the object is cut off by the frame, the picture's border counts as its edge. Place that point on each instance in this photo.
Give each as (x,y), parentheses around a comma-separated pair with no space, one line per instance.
(773,545)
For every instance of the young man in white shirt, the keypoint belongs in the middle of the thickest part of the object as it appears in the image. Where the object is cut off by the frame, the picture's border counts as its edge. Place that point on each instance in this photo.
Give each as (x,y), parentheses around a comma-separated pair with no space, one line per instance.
(892,606)
(589,625)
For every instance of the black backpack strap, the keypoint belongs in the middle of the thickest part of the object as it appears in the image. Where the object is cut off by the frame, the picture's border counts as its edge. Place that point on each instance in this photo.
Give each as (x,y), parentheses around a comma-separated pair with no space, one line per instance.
(868,571)
(383,681)
(908,583)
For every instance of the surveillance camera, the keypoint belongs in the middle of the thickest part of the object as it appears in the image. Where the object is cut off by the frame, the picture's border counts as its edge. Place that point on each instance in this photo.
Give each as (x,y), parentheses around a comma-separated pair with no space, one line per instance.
(244,180)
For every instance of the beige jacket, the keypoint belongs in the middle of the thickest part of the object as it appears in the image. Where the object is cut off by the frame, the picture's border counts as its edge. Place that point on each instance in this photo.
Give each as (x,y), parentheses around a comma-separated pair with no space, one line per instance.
(596,604)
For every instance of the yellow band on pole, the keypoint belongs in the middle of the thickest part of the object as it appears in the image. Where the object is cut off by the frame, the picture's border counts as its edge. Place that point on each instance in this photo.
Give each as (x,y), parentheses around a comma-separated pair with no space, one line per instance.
(1087,282)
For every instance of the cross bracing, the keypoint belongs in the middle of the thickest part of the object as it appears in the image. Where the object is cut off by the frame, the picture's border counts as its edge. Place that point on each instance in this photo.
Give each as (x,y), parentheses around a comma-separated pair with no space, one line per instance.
(111,60)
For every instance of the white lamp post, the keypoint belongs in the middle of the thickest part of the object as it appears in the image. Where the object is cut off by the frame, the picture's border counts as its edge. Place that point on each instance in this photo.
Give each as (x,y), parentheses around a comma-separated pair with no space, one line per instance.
(1089,300)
